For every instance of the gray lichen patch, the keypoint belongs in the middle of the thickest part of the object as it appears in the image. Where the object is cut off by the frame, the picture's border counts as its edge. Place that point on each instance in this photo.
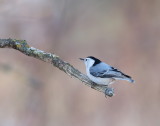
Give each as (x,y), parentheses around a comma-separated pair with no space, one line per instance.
(21,44)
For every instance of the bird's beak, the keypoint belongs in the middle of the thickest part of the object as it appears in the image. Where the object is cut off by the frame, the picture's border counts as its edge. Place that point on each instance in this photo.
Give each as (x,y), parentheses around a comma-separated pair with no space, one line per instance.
(81,59)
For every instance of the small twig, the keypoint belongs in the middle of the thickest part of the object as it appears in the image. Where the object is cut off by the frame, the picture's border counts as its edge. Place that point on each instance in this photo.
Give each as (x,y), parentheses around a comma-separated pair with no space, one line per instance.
(22,46)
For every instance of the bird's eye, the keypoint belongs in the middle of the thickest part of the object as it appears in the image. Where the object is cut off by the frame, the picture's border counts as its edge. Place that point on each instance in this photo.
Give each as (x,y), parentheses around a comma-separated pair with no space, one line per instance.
(85,59)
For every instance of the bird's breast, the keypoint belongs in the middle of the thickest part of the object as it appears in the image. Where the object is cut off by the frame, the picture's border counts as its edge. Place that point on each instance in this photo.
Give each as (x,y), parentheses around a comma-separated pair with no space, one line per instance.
(100,81)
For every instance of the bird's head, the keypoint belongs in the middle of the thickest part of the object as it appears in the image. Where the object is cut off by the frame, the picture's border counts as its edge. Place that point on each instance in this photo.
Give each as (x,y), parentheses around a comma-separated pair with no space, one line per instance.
(90,61)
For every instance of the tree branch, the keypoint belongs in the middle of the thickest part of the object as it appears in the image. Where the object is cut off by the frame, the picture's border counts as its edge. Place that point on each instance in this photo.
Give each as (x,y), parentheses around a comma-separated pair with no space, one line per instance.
(22,46)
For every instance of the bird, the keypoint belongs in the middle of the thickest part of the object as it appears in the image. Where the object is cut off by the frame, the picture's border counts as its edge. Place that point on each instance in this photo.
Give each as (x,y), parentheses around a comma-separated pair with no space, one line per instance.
(102,73)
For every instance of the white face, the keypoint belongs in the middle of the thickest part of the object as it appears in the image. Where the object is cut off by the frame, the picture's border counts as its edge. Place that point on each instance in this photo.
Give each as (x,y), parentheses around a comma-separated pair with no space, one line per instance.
(88,62)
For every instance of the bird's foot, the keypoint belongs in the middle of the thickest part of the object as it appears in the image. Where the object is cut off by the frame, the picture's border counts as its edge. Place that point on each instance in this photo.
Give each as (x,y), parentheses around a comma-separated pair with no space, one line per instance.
(93,85)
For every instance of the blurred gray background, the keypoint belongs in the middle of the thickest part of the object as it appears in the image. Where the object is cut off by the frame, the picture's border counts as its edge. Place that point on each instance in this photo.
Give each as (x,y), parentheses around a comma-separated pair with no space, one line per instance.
(123,33)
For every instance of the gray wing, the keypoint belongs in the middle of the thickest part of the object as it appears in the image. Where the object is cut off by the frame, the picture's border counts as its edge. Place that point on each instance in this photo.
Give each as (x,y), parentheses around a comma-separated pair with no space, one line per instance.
(105,71)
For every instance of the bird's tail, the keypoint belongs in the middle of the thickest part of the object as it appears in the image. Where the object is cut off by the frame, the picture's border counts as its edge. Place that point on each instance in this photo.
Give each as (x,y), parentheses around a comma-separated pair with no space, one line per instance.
(130,80)
(127,78)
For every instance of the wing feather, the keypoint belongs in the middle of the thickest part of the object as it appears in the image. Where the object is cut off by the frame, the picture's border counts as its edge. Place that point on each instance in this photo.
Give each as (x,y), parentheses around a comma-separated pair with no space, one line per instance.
(106,71)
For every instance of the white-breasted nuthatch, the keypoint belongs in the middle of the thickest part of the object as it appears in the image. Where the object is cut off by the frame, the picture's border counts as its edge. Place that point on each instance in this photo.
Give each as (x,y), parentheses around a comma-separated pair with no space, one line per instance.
(102,73)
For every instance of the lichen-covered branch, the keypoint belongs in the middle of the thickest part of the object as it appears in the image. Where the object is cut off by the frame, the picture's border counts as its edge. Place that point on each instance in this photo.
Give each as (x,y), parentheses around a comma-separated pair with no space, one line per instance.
(22,46)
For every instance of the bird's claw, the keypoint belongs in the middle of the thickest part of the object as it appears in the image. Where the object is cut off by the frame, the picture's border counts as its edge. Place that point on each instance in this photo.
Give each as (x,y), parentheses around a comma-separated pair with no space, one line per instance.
(93,85)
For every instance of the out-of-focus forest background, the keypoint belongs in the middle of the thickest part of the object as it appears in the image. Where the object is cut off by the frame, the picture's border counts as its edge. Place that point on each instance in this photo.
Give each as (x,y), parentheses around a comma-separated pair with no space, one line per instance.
(123,33)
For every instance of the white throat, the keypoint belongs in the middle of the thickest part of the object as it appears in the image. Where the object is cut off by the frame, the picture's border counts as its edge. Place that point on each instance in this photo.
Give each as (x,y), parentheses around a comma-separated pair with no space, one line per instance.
(89,63)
